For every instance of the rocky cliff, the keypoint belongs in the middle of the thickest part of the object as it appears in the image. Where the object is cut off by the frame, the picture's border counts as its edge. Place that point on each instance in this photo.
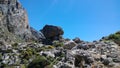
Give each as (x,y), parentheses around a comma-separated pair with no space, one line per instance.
(14,21)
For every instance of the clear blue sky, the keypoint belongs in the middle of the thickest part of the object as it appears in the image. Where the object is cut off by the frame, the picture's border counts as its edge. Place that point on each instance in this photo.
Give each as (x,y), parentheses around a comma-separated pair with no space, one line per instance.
(88,19)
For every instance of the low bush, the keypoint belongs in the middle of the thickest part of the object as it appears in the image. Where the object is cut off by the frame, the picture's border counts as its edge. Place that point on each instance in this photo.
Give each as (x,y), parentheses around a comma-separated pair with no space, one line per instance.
(57,44)
(39,62)
(115,37)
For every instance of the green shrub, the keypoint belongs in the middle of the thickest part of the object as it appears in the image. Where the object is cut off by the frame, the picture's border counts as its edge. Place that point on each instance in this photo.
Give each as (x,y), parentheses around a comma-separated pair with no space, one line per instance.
(115,37)
(23,66)
(43,48)
(0,57)
(58,43)
(15,45)
(28,53)
(117,32)
(9,51)
(24,61)
(39,62)
(51,47)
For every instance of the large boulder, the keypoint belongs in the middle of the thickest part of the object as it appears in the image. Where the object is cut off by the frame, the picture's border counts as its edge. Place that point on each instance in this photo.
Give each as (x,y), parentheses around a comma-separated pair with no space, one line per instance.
(52,33)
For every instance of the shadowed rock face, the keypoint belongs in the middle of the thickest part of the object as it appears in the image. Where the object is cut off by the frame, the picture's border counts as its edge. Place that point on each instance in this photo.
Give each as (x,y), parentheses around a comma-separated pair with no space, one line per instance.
(52,33)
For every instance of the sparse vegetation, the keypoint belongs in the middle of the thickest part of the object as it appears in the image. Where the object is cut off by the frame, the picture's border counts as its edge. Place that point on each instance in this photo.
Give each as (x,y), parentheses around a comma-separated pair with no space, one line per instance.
(15,45)
(28,53)
(115,37)
(0,57)
(57,44)
(39,62)
(51,47)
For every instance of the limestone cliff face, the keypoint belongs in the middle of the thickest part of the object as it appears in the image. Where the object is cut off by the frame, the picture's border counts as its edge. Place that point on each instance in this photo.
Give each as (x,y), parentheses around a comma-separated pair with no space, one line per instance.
(13,16)
(14,19)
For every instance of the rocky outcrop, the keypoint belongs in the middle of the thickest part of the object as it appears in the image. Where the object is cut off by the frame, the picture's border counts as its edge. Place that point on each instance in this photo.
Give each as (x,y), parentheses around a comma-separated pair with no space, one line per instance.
(13,18)
(14,22)
(69,45)
(77,40)
(37,35)
(52,33)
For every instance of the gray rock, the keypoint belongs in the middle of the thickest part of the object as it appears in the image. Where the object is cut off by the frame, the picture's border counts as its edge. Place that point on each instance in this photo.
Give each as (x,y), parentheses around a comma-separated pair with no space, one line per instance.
(83,46)
(116,60)
(112,55)
(66,66)
(69,45)
(37,35)
(58,53)
(51,31)
(47,53)
(106,62)
(77,40)
(89,60)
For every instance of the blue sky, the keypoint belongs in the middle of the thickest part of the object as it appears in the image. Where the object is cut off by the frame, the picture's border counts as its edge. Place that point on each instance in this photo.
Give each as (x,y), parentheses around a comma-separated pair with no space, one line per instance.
(88,19)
